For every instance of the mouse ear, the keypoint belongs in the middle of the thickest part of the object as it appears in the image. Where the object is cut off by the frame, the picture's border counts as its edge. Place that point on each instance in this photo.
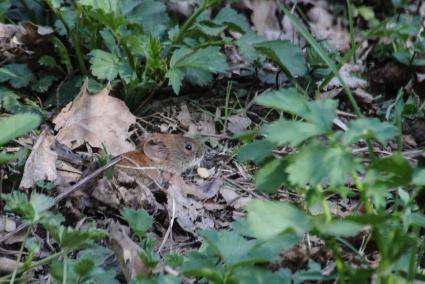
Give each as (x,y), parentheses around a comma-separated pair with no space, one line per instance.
(155,149)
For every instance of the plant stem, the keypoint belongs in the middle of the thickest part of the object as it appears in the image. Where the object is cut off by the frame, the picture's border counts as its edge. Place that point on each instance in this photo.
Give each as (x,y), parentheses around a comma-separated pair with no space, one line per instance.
(363,195)
(21,251)
(325,204)
(189,22)
(351,28)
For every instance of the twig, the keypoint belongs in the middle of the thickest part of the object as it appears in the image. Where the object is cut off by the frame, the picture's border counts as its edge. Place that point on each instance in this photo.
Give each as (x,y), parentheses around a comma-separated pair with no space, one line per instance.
(66,192)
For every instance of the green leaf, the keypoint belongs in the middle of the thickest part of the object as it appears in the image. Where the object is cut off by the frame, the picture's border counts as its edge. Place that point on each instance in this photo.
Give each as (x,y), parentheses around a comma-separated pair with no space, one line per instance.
(232,248)
(18,75)
(174,259)
(200,265)
(288,56)
(256,151)
(254,275)
(70,238)
(392,171)
(321,113)
(232,19)
(84,266)
(104,65)
(62,51)
(419,177)
(316,163)
(19,155)
(292,133)
(47,61)
(272,175)
(18,202)
(152,15)
(197,66)
(17,125)
(40,203)
(268,219)
(340,228)
(369,128)
(139,220)
(246,45)
(288,100)
(43,84)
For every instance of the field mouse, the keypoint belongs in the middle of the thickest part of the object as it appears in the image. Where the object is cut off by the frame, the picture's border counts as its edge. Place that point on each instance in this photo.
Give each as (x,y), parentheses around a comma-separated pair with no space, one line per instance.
(167,152)
(142,171)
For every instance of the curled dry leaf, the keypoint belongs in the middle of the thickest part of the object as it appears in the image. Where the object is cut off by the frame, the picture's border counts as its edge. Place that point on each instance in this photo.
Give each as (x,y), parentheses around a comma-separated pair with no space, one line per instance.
(41,164)
(98,119)
(127,252)
(350,79)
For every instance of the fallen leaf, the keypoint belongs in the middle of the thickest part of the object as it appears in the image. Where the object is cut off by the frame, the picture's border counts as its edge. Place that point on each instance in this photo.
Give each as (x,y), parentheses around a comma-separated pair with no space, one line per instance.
(238,123)
(264,17)
(190,214)
(41,163)
(127,252)
(350,79)
(184,116)
(7,224)
(8,265)
(97,119)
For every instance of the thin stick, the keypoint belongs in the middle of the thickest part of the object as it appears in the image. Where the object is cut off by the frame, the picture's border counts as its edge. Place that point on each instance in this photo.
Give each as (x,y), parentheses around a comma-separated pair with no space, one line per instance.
(67,191)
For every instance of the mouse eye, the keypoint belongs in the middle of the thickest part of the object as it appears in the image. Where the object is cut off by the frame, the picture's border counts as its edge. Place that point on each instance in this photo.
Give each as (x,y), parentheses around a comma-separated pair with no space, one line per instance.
(188,147)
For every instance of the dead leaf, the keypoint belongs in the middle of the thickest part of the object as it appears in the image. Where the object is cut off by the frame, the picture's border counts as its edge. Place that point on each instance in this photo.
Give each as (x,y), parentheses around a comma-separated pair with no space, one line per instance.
(127,252)
(238,123)
(7,224)
(190,214)
(41,163)
(323,28)
(98,119)
(233,199)
(184,116)
(8,265)
(264,17)
(350,79)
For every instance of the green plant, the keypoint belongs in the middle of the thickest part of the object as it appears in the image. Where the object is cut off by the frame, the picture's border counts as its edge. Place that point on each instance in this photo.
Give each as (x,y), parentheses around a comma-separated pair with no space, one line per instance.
(323,163)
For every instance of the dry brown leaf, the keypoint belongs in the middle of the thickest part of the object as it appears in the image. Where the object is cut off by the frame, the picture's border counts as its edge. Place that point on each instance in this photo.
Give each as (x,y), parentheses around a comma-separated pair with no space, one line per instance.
(264,17)
(97,119)
(322,27)
(238,123)
(350,79)
(41,164)
(8,265)
(127,252)
(7,224)
(189,213)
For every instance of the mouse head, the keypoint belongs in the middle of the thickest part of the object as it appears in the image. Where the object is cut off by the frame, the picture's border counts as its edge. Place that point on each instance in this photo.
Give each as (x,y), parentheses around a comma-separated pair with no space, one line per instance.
(174,153)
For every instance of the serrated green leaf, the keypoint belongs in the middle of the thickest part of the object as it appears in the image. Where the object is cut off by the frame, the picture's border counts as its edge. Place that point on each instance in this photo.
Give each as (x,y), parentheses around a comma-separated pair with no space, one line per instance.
(267,219)
(18,202)
(256,151)
(18,75)
(255,275)
(44,83)
(246,45)
(17,125)
(84,266)
(152,15)
(369,128)
(104,65)
(47,61)
(231,247)
(391,171)
(321,113)
(271,176)
(315,164)
(40,203)
(139,220)
(209,30)
(71,238)
(288,100)
(196,66)
(232,19)
(200,265)
(288,56)
(292,133)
